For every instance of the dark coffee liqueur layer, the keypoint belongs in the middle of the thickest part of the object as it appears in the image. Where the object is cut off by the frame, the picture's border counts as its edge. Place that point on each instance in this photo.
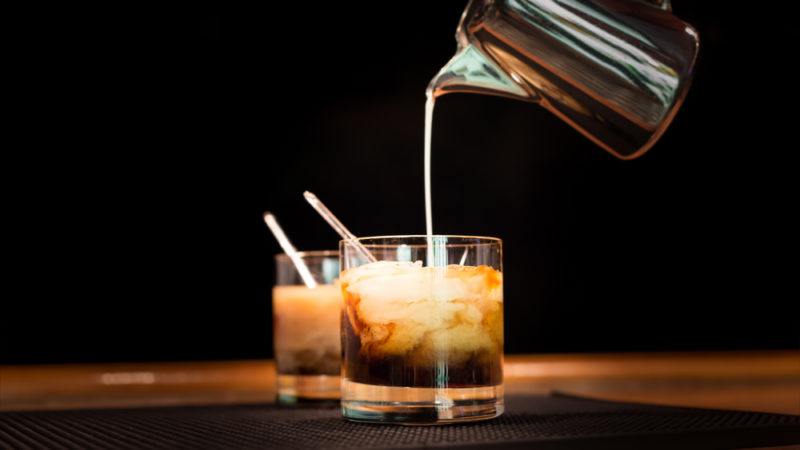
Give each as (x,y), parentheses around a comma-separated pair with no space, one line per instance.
(482,368)
(308,362)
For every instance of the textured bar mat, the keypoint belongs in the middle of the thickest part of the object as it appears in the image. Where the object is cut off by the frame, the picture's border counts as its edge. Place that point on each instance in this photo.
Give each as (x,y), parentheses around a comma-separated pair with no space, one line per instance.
(552,422)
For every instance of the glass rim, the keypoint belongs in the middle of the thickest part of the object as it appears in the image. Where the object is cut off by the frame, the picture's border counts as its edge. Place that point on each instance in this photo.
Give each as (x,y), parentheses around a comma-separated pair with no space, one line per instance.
(482,240)
(310,254)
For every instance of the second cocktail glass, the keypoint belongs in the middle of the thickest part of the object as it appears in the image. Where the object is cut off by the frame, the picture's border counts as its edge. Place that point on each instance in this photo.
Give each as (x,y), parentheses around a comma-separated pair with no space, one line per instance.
(306,328)
(422,329)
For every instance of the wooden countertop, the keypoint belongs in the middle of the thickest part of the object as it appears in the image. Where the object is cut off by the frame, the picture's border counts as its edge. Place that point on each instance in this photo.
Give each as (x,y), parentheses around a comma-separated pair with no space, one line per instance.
(767,381)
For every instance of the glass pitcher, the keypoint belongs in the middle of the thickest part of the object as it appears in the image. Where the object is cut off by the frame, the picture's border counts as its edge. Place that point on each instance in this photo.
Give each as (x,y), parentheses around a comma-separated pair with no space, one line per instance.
(615,70)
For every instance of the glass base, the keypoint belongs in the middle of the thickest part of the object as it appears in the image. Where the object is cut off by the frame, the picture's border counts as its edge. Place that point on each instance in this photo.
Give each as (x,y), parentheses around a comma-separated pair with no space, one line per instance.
(420,406)
(307,388)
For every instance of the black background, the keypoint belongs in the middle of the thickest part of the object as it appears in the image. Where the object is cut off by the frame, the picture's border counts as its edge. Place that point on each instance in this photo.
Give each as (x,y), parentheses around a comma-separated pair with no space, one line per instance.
(156,143)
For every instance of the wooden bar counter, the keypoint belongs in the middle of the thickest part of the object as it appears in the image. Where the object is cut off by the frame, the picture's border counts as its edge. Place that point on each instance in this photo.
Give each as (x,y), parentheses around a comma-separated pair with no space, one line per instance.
(764,381)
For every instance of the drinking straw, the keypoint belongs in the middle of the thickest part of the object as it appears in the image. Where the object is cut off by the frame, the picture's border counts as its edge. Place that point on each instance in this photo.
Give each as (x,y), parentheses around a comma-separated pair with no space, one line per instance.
(288,248)
(463,257)
(337,225)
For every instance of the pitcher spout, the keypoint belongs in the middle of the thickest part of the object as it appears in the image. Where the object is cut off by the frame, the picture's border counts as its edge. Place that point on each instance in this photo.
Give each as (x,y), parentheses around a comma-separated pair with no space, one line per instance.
(470,71)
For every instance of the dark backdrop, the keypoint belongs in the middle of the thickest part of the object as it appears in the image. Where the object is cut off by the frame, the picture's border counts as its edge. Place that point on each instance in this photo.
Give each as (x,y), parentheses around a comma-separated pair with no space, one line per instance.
(158,144)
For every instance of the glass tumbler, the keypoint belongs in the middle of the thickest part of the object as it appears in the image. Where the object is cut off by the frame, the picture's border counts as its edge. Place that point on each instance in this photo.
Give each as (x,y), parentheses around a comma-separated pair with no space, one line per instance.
(422,329)
(306,328)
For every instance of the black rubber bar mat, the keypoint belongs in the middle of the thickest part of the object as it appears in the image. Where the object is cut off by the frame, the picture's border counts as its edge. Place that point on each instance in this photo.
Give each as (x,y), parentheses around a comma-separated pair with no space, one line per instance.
(552,422)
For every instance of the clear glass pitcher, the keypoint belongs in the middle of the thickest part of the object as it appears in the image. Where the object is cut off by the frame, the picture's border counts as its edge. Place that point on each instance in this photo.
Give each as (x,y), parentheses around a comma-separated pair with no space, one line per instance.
(615,70)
